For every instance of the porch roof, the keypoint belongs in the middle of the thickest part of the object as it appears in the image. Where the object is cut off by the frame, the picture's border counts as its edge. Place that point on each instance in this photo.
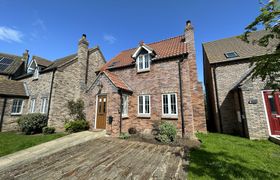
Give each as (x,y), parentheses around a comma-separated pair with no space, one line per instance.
(117,81)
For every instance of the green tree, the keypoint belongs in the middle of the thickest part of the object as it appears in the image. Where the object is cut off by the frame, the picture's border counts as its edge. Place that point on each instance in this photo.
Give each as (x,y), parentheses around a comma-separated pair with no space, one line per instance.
(267,67)
(76,109)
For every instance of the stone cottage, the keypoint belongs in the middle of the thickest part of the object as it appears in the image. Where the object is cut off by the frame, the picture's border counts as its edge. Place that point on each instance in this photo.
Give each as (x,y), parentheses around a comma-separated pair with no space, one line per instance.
(148,84)
(236,104)
(44,86)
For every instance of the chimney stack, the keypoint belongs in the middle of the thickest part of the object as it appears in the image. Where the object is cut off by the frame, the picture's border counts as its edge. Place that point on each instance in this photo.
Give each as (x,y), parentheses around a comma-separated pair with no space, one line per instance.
(25,59)
(189,32)
(83,59)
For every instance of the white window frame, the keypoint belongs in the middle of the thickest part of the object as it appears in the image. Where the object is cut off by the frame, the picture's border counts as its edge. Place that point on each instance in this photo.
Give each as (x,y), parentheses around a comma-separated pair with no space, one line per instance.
(22,104)
(44,105)
(144,56)
(32,105)
(124,105)
(169,114)
(144,114)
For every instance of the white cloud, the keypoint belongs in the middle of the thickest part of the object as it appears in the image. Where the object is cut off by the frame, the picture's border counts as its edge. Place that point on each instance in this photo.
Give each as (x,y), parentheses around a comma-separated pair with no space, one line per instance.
(109,38)
(10,35)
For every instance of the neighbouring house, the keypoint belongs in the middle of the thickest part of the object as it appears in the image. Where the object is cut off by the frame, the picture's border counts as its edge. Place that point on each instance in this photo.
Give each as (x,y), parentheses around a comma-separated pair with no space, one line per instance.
(44,86)
(236,103)
(148,84)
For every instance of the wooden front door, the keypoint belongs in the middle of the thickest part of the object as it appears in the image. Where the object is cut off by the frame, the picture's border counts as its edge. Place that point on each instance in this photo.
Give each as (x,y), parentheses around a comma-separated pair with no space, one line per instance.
(272,101)
(101,112)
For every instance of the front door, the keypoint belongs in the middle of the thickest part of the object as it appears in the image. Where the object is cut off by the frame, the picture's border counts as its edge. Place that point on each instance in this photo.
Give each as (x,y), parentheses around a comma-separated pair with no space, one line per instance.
(272,101)
(101,112)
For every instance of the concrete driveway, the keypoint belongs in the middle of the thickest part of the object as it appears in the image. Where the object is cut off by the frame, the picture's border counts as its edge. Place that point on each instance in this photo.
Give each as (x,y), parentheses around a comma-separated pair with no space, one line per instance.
(104,158)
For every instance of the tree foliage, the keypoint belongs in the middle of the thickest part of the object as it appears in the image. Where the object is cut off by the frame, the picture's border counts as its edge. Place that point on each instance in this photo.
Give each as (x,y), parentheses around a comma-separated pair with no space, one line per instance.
(76,109)
(267,67)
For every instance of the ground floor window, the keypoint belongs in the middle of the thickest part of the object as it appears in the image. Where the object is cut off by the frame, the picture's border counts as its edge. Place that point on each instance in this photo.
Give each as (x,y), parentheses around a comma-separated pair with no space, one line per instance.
(32,105)
(144,105)
(44,103)
(17,106)
(169,104)
(124,105)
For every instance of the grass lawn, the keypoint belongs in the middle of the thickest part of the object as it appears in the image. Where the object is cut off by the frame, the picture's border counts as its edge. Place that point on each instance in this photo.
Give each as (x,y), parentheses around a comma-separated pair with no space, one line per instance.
(229,157)
(11,142)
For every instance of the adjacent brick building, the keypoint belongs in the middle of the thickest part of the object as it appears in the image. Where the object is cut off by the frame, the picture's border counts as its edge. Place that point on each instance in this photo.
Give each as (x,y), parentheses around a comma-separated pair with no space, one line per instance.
(146,85)
(46,86)
(236,103)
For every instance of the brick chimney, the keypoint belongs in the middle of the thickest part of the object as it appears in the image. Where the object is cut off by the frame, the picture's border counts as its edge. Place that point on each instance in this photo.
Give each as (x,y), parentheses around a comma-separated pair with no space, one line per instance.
(25,59)
(83,60)
(189,32)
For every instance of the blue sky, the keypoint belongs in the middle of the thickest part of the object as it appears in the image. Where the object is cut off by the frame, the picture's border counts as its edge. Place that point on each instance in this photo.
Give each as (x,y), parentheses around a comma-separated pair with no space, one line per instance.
(51,29)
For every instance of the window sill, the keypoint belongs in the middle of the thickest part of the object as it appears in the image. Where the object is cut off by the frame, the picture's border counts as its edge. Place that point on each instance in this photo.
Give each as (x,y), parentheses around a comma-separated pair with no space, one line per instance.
(143,71)
(144,116)
(16,114)
(171,117)
(125,116)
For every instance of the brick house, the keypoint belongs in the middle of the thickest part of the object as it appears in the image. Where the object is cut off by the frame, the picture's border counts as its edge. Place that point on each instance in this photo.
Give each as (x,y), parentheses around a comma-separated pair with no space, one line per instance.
(145,85)
(236,104)
(46,86)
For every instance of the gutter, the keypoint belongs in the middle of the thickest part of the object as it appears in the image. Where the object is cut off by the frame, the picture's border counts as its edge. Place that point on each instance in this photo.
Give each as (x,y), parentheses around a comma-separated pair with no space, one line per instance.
(181,96)
(50,96)
(3,112)
(217,99)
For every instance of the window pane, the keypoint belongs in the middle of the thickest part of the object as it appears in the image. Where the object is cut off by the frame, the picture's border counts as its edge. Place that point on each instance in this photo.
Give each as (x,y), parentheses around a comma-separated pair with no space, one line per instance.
(173,104)
(140,62)
(165,104)
(140,104)
(147,104)
(146,61)
(125,105)
(104,105)
(272,104)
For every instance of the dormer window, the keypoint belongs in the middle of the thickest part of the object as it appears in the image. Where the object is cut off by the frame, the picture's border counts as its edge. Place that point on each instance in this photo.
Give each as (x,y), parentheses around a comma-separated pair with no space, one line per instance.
(143,62)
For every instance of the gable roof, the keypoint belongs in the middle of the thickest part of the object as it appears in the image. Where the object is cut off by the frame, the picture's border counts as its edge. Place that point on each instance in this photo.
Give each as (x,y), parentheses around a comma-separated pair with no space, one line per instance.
(215,50)
(42,61)
(12,88)
(117,81)
(163,49)
(13,67)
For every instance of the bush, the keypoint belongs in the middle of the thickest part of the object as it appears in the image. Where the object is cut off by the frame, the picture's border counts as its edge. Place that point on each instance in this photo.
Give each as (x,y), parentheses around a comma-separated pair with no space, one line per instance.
(124,136)
(76,109)
(132,130)
(48,130)
(32,123)
(76,126)
(167,132)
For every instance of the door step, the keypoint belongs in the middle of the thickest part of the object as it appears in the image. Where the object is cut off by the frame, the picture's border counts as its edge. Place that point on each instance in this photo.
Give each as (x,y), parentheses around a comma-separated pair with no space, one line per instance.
(275,139)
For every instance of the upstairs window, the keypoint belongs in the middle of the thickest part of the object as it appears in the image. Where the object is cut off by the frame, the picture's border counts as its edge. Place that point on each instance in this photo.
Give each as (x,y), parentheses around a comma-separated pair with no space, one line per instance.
(17,106)
(231,54)
(143,62)
(169,104)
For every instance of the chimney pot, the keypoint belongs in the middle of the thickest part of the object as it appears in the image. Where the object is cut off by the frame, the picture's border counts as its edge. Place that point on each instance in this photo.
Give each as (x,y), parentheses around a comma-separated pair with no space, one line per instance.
(84,36)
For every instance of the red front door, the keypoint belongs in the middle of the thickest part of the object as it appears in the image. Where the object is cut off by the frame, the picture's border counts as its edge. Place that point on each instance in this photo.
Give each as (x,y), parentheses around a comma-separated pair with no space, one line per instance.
(272,101)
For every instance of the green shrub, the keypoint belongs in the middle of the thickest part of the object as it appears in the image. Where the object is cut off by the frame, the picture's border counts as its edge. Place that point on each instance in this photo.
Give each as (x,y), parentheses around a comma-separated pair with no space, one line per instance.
(76,126)
(76,109)
(32,123)
(167,132)
(124,136)
(48,130)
